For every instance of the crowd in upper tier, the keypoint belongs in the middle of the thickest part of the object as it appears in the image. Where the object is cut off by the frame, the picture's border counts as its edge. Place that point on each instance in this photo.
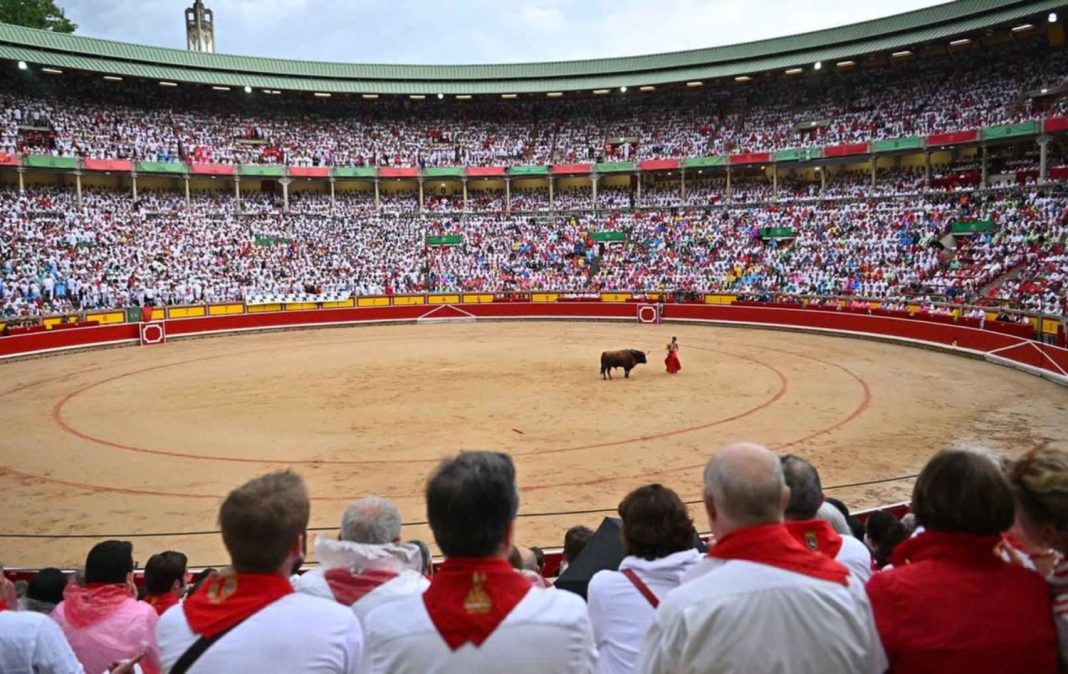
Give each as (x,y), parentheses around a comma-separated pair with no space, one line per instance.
(72,116)
(112,251)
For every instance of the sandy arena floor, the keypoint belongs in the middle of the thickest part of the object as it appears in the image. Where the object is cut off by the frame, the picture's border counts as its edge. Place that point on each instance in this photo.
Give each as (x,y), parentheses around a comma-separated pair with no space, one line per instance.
(147,440)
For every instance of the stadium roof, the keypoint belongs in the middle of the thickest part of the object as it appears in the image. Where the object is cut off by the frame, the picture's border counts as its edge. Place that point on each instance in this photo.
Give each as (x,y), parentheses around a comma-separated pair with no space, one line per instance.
(930,25)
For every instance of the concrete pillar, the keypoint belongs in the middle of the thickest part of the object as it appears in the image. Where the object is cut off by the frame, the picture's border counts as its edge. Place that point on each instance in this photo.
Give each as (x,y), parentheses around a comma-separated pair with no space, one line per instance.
(823,180)
(594,179)
(682,180)
(638,196)
(78,186)
(983,175)
(1043,161)
(420,195)
(728,195)
(332,204)
(552,203)
(926,170)
(133,184)
(378,200)
(775,182)
(285,193)
(237,192)
(874,167)
(465,194)
(188,201)
(507,194)
(22,182)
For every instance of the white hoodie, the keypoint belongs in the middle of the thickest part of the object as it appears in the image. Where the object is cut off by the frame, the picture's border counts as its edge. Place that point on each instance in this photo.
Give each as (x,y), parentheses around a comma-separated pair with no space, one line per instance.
(620,615)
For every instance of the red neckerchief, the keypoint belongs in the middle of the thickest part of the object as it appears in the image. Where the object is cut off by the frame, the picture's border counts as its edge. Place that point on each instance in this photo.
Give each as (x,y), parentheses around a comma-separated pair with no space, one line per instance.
(3,605)
(470,596)
(348,587)
(817,536)
(772,544)
(161,602)
(948,545)
(226,599)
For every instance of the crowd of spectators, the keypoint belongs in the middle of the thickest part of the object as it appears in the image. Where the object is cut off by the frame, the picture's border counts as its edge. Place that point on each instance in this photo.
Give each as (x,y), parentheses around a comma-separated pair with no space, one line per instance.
(74,116)
(112,251)
(972,580)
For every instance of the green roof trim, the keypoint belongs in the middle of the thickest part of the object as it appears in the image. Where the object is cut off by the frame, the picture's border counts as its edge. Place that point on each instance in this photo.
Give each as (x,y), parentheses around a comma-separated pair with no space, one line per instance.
(443,172)
(355,172)
(705,162)
(803,154)
(1010,130)
(911,28)
(261,170)
(160,167)
(616,167)
(895,144)
(49,162)
(529,170)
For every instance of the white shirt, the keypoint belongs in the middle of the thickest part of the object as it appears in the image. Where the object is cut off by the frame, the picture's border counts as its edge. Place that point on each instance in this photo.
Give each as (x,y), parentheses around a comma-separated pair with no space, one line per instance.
(621,616)
(407,582)
(547,631)
(856,557)
(296,634)
(32,643)
(738,616)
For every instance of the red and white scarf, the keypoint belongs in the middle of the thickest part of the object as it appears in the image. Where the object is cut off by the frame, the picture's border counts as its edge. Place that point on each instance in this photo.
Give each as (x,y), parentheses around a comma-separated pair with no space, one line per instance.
(470,596)
(161,602)
(349,587)
(226,599)
(774,545)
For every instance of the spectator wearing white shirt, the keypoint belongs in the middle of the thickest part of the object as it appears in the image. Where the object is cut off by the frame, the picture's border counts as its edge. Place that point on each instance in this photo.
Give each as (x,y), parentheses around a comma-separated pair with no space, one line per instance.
(658,539)
(761,601)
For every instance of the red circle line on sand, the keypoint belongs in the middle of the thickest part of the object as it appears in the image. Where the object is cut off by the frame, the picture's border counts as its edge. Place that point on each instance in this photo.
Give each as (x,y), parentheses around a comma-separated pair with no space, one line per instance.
(860,409)
(852,416)
(57,417)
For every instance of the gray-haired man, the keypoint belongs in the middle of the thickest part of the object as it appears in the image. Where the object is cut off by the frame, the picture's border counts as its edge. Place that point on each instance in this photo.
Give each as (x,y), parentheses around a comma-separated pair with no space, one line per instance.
(368,566)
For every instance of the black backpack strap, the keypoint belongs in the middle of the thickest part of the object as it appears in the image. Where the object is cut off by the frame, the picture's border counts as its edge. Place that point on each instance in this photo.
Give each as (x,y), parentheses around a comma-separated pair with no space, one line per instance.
(193,653)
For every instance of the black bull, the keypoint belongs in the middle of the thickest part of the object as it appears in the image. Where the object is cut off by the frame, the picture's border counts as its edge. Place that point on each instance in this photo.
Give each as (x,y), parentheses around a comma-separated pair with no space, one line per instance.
(626,359)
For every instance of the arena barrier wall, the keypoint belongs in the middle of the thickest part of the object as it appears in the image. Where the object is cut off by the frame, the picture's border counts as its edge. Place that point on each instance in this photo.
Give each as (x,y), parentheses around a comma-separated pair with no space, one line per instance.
(997,344)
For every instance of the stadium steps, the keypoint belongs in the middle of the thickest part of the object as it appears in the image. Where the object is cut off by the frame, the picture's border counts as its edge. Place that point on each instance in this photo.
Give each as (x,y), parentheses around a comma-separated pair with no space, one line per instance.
(1008,275)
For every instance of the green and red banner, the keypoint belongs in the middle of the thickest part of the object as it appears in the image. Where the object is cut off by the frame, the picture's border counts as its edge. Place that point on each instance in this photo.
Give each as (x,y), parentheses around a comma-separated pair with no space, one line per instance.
(955,138)
(659,165)
(9,159)
(1055,124)
(398,172)
(212,169)
(309,171)
(107,165)
(750,158)
(486,171)
(845,150)
(571,169)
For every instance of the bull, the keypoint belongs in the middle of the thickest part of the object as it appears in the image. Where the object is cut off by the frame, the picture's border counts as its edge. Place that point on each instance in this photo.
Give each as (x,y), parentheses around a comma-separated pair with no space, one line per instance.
(627,359)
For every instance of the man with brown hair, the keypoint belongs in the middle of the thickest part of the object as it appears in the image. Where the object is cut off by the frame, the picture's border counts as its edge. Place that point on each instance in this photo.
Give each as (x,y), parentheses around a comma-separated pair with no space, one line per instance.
(247,618)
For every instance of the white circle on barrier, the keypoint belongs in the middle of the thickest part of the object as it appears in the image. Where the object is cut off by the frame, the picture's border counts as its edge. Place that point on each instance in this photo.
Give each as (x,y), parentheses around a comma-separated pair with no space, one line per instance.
(152,333)
(643,317)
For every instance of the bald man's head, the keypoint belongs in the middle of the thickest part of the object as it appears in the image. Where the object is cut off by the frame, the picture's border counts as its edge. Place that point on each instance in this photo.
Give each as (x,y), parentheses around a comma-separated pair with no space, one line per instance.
(744,485)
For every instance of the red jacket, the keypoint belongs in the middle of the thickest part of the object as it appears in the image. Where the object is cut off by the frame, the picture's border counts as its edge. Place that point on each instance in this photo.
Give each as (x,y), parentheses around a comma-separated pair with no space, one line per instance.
(950,605)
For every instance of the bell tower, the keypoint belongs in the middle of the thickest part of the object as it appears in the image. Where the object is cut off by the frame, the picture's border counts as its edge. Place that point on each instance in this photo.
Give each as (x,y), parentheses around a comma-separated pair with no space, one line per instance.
(199,28)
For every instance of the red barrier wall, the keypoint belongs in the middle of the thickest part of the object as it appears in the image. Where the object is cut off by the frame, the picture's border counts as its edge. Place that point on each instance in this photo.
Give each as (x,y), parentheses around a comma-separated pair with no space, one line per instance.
(934,331)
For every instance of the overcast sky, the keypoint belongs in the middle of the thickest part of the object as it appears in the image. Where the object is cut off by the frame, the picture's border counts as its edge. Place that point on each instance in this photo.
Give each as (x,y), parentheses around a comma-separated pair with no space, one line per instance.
(470,31)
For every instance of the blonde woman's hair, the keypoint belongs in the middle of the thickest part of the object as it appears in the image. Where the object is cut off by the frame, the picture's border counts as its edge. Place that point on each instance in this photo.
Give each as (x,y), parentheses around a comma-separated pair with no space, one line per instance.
(1039,480)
